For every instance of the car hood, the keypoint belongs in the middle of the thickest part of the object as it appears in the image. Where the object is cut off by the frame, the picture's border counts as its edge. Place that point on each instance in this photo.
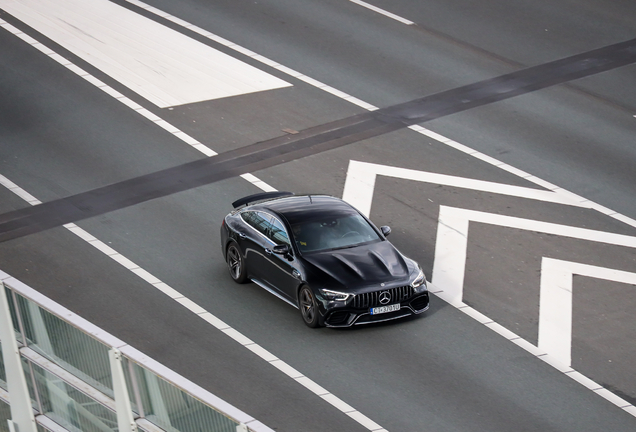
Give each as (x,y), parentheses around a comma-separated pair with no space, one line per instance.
(364,265)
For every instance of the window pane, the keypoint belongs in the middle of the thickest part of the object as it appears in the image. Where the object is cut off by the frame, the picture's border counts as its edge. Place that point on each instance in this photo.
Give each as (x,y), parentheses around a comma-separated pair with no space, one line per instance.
(333,233)
(259,221)
(278,234)
(69,347)
(70,407)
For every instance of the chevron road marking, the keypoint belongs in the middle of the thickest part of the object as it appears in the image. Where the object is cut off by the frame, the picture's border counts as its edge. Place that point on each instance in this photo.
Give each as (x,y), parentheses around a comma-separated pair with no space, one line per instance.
(447,281)
(362,194)
(555,304)
(452,242)
(361,176)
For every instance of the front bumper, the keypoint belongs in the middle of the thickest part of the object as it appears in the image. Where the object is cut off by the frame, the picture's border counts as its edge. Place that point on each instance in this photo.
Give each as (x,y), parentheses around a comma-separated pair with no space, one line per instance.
(347,316)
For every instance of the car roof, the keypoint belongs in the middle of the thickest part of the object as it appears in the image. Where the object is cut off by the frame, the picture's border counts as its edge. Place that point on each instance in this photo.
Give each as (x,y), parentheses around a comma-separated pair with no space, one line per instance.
(300,208)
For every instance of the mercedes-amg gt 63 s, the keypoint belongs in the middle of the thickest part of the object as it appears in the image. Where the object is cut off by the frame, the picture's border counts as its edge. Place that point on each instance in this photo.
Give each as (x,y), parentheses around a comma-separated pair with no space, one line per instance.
(324,257)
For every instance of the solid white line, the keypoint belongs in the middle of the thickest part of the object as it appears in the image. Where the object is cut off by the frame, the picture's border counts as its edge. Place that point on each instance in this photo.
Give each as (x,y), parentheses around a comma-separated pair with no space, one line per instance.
(131,104)
(132,353)
(365,105)
(542,355)
(382,12)
(164,288)
(555,312)
(447,141)
(207,316)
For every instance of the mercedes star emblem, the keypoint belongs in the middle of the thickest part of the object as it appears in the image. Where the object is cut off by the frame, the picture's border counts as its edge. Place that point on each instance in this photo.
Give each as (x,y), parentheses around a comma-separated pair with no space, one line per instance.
(385,297)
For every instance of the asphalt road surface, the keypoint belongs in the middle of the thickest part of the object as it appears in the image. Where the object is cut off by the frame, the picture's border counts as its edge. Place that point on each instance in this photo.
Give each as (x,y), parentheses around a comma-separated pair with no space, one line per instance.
(557,200)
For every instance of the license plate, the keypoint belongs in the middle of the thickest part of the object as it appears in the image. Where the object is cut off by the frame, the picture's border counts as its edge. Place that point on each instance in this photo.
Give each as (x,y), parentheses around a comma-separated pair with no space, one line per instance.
(384,309)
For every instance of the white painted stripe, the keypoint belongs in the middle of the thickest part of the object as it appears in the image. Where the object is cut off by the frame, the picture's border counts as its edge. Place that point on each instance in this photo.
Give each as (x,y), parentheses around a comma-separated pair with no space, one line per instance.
(555,312)
(382,12)
(315,388)
(556,363)
(476,315)
(125,262)
(361,178)
(611,397)
(161,64)
(452,239)
(501,330)
(208,317)
(583,380)
(555,304)
(238,337)
(216,322)
(262,353)
(454,144)
(133,105)
(458,146)
(168,290)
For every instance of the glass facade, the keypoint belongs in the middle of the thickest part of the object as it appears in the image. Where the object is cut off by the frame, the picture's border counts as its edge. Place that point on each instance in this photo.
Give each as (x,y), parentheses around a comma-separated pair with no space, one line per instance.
(65,345)
(82,362)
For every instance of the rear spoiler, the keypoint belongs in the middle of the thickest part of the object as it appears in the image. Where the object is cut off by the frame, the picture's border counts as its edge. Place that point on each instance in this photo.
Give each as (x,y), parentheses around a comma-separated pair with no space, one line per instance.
(259,197)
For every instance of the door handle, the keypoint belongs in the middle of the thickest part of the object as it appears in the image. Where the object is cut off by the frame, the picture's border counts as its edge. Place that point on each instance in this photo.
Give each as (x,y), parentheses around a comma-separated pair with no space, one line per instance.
(242,236)
(268,251)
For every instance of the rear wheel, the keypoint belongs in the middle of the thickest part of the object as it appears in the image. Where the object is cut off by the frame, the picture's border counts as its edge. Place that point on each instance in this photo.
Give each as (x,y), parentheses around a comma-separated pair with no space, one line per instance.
(308,307)
(236,263)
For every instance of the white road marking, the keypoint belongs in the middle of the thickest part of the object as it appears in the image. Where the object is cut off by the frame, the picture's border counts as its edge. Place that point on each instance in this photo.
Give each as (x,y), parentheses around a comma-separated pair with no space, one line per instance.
(555,307)
(417,128)
(254,180)
(193,307)
(133,354)
(452,237)
(161,64)
(555,317)
(255,56)
(383,12)
(555,321)
(361,176)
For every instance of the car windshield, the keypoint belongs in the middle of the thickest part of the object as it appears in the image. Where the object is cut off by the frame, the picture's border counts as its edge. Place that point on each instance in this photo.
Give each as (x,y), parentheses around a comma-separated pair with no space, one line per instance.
(336,232)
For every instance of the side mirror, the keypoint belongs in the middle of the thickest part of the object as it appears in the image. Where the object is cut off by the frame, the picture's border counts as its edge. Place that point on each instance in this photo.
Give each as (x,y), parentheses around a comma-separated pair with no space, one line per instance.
(282,249)
(386,230)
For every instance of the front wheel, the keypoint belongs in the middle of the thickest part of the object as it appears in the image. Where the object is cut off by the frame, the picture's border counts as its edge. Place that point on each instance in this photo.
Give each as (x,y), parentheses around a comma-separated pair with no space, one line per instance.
(308,307)
(236,263)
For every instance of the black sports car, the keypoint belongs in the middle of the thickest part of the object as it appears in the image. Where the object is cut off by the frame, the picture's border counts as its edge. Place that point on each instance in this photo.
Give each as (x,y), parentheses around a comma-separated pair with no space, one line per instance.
(323,256)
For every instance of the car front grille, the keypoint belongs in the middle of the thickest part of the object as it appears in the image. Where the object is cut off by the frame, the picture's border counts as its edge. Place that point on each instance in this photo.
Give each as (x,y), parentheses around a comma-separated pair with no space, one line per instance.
(372,299)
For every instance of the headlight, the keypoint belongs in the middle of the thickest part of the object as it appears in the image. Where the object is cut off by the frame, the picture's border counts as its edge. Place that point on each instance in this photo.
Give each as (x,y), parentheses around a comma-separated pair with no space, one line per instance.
(419,283)
(334,295)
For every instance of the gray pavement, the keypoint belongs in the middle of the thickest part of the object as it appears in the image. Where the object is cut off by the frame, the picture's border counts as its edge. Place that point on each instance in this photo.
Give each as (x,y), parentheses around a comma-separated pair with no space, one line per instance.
(442,371)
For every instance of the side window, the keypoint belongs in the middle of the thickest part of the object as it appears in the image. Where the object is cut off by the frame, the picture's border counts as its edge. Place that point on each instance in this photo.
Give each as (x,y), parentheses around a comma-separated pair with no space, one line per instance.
(259,221)
(278,234)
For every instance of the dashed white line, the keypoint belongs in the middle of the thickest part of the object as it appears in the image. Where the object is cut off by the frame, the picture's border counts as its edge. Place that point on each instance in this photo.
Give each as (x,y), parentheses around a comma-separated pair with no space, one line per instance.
(264,186)
(369,107)
(207,316)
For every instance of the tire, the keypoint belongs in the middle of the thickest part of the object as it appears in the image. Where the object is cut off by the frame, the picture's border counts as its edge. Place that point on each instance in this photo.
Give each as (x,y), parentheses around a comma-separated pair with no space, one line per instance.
(236,263)
(308,307)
